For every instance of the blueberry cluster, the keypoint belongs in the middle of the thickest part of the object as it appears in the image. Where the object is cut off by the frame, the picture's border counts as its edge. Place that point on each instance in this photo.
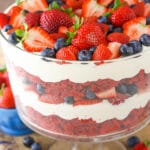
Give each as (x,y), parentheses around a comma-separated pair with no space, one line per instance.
(124,88)
(132,141)
(29,142)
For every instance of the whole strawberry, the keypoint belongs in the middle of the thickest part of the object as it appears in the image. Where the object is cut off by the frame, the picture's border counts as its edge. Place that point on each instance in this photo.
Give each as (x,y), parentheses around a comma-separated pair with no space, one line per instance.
(140,146)
(52,19)
(121,15)
(4,19)
(88,35)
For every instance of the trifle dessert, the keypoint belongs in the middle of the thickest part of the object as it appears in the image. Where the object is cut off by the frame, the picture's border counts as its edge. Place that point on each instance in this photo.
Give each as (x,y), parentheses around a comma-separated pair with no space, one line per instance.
(79,69)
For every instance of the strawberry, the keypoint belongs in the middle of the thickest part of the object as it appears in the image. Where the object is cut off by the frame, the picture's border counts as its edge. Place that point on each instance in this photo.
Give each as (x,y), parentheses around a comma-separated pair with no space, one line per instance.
(13,9)
(37,39)
(6,98)
(140,146)
(17,18)
(32,19)
(131,2)
(67,53)
(75,4)
(89,35)
(136,27)
(104,2)
(118,37)
(110,93)
(121,15)
(139,9)
(101,53)
(92,8)
(4,19)
(114,48)
(147,9)
(34,5)
(52,19)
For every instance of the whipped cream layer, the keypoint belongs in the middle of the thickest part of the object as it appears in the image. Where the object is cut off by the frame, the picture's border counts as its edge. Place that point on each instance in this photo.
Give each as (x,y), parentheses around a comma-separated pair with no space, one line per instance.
(77,72)
(98,112)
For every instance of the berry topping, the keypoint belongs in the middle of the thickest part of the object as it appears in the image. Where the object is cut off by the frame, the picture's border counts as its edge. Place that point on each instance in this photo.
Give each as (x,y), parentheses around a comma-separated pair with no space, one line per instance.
(92,49)
(52,19)
(118,37)
(48,52)
(131,48)
(145,39)
(69,99)
(90,94)
(132,141)
(60,42)
(4,19)
(37,39)
(7,27)
(121,15)
(140,146)
(84,55)
(103,19)
(36,146)
(147,20)
(28,141)
(12,38)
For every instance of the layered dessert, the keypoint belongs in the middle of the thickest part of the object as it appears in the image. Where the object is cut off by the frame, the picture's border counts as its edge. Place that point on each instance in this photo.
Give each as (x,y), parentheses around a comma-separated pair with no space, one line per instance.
(79,68)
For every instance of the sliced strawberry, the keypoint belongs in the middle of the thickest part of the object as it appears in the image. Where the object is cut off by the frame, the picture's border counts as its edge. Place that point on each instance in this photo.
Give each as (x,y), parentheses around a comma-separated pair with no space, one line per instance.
(13,9)
(92,8)
(17,18)
(114,48)
(37,39)
(131,2)
(118,37)
(6,98)
(139,9)
(136,27)
(147,9)
(110,93)
(4,19)
(121,15)
(75,4)
(67,53)
(34,5)
(102,53)
(104,2)
(63,29)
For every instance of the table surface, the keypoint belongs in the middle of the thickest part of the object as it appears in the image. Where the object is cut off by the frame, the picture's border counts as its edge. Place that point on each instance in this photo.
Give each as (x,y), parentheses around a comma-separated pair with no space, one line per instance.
(51,144)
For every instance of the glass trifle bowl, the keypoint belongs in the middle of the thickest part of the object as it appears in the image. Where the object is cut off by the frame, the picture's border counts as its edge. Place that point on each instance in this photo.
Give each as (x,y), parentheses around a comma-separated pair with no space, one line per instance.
(80,101)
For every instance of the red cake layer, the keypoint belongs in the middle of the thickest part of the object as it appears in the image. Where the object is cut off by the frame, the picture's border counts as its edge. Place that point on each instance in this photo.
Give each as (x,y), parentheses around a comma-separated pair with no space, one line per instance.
(54,93)
(88,127)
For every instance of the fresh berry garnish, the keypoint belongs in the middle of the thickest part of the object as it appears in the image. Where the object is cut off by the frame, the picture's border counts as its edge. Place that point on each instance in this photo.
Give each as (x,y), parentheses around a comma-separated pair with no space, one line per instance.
(118,37)
(12,38)
(4,19)
(36,146)
(145,39)
(139,9)
(84,55)
(101,53)
(110,93)
(34,5)
(48,52)
(140,146)
(131,48)
(69,100)
(103,19)
(7,27)
(146,1)
(37,39)
(90,94)
(67,53)
(92,49)
(28,141)
(60,42)
(6,97)
(121,15)
(147,20)
(32,19)
(92,8)
(52,19)
(89,35)
(136,27)
(105,2)
(75,4)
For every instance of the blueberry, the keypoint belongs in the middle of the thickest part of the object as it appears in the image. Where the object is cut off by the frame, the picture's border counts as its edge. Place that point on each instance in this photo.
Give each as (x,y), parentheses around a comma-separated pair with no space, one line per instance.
(117,29)
(111,27)
(59,2)
(145,39)
(48,52)
(40,88)
(36,146)
(84,55)
(90,94)
(147,20)
(132,89)
(132,141)
(13,38)
(60,42)
(131,48)
(103,19)
(122,88)
(146,1)
(69,99)
(7,27)
(92,49)
(28,141)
